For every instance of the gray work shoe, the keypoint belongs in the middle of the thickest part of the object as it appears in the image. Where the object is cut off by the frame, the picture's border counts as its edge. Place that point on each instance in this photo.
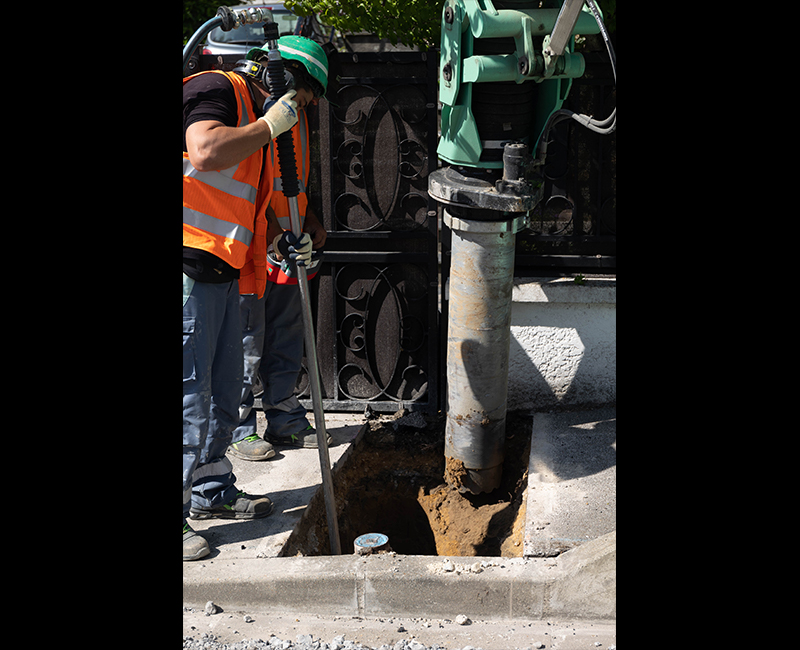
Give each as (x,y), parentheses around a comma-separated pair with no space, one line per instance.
(252,448)
(243,506)
(194,546)
(306,438)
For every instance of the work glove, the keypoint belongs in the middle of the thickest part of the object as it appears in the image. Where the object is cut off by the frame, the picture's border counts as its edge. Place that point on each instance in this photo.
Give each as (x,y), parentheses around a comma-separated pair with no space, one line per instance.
(282,116)
(299,251)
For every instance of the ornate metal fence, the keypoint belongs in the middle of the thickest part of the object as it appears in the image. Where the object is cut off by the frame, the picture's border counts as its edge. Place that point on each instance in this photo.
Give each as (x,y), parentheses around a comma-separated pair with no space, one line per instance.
(377,307)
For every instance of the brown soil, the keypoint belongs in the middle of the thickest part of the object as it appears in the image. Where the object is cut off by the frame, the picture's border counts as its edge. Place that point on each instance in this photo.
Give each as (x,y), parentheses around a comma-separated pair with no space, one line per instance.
(454,471)
(393,483)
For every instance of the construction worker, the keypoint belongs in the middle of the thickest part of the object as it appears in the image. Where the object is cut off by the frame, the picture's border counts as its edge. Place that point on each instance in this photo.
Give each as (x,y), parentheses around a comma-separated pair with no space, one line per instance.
(226,188)
(273,336)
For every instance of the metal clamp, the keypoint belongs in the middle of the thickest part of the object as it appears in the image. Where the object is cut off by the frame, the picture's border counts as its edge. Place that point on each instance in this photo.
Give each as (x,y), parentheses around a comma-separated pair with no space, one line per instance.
(513,225)
(234,19)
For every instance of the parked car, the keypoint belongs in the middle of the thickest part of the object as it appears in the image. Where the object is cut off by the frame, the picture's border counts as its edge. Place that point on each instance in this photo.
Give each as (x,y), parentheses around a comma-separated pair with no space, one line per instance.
(242,39)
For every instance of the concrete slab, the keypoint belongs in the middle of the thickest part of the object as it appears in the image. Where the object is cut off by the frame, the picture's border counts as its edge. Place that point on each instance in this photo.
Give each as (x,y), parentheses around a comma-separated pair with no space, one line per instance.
(290,479)
(572,472)
(572,498)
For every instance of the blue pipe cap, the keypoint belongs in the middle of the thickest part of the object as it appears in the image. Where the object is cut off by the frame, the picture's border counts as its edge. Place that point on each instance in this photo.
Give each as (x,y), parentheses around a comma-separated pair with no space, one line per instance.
(371,540)
(371,543)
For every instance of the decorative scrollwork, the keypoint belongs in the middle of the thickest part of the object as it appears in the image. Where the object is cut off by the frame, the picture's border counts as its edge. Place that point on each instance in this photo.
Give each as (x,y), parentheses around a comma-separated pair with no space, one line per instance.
(350,212)
(351,333)
(383,332)
(556,216)
(608,217)
(348,159)
(413,159)
(375,314)
(392,119)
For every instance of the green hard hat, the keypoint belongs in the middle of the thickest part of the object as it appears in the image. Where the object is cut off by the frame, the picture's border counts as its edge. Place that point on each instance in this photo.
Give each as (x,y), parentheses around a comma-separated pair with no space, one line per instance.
(303,50)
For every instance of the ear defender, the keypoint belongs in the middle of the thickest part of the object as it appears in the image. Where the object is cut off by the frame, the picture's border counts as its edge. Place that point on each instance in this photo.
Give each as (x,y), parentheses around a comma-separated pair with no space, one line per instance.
(258,72)
(252,69)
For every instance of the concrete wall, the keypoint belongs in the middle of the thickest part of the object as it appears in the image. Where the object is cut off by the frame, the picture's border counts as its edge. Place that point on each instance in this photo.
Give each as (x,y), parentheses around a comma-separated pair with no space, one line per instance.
(563,347)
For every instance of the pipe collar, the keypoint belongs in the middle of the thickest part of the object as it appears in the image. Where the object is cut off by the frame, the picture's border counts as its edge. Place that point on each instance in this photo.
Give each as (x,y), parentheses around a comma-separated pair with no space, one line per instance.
(512,225)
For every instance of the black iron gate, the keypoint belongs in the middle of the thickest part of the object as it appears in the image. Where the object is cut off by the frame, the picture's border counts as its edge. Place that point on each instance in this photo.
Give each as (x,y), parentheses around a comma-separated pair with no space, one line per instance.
(377,314)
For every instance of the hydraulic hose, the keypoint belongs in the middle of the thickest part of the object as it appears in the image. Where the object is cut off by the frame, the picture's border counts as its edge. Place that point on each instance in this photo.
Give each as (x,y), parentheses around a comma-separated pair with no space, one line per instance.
(606,37)
(604,127)
(285,141)
(198,36)
(227,19)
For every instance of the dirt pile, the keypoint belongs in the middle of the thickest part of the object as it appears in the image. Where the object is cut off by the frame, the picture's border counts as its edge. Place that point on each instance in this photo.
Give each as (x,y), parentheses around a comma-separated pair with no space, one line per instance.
(393,483)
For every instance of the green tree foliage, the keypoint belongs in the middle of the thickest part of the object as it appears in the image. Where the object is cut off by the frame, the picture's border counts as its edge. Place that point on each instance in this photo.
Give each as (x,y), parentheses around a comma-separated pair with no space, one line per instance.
(410,22)
(609,9)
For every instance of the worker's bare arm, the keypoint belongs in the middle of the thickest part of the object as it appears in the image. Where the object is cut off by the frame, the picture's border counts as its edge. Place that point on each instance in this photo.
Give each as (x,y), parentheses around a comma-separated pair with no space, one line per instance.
(314,227)
(212,146)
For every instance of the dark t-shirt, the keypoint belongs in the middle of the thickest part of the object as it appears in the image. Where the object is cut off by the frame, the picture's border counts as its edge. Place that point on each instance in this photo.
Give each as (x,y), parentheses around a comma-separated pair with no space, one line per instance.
(209,97)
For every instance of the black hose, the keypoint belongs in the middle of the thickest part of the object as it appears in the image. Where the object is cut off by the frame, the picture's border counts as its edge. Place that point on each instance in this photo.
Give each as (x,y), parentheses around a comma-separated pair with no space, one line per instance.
(285,141)
(604,127)
(612,55)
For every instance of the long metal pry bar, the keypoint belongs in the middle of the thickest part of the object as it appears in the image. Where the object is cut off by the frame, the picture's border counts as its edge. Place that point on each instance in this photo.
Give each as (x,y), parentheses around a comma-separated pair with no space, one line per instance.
(289,175)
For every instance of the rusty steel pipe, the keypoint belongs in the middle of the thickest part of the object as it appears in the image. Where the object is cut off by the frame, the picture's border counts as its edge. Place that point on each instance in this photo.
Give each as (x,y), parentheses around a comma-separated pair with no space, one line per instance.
(484,212)
(478,335)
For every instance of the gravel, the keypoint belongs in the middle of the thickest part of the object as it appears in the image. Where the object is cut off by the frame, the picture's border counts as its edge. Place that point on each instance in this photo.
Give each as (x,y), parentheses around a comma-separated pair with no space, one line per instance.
(208,641)
(213,628)
(303,642)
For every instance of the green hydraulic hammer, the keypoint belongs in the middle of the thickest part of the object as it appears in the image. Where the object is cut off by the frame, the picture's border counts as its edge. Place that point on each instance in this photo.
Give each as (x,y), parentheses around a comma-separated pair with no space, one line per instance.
(504,72)
(506,67)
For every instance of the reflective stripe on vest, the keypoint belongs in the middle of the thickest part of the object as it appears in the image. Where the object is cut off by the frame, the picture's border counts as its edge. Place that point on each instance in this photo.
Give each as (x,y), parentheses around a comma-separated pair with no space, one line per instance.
(219,206)
(223,181)
(217,226)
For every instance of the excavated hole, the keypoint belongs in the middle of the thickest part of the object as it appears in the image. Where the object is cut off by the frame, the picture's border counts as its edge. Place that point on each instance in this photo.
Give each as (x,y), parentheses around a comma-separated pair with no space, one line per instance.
(392,483)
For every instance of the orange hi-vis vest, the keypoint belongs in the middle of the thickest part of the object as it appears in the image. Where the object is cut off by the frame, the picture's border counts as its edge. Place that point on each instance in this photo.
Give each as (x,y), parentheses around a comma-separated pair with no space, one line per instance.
(223,212)
(257,268)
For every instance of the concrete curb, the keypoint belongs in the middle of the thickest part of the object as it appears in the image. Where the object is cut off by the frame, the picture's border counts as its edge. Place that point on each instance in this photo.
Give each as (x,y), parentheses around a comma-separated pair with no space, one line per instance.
(579,584)
(568,570)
